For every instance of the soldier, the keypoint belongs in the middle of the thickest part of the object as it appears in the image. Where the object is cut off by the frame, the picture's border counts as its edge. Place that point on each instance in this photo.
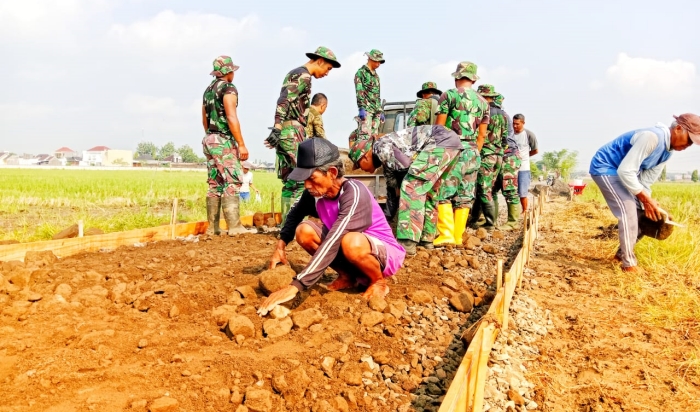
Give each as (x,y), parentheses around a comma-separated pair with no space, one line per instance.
(427,154)
(290,118)
(424,111)
(314,123)
(223,147)
(369,104)
(507,180)
(490,155)
(466,113)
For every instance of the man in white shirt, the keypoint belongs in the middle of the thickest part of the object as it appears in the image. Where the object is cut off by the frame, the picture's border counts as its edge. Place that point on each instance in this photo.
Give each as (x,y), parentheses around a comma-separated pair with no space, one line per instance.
(247,182)
(527,147)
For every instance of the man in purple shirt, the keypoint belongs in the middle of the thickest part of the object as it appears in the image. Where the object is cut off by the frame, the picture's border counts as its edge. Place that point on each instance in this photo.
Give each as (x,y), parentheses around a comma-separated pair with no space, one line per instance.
(355,238)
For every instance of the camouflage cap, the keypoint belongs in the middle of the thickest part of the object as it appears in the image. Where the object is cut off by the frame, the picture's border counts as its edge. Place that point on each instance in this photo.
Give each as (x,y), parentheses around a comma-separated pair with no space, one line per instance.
(358,148)
(223,65)
(375,55)
(324,53)
(487,90)
(498,99)
(466,69)
(428,87)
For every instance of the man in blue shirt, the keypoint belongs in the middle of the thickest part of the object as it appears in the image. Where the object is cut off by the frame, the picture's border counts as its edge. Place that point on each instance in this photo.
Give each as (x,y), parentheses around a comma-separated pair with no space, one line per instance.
(625,168)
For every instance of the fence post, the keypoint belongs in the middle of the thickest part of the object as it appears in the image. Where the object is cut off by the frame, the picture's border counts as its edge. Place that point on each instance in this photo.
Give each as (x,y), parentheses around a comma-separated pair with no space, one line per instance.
(499,279)
(80,228)
(173,219)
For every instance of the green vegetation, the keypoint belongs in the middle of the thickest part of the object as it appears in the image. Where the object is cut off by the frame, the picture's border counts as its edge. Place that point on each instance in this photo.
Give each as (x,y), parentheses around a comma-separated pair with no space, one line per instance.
(36,204)
(561,162)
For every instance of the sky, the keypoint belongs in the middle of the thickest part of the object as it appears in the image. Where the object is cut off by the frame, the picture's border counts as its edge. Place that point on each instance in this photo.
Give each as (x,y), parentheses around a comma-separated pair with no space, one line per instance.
(82,73)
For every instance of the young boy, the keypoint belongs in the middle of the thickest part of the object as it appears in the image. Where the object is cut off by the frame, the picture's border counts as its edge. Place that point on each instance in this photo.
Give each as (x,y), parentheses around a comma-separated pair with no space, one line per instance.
(247,182)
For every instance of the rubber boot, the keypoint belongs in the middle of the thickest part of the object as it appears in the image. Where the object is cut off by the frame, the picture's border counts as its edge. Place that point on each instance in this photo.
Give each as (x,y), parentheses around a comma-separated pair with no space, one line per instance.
(445,225)
(475,219)
(230,206)
(213,216)
(513,217)
(426,245)
(409,245)
(489,214)
(461,218)
(286,205)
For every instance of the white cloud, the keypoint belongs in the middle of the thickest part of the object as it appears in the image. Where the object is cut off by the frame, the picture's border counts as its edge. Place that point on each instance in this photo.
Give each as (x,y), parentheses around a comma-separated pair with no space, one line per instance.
(645,76)
(159,106)
(42,19)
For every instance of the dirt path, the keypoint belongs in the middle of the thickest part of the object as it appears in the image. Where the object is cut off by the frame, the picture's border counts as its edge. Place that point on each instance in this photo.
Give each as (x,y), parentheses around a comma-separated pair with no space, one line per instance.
(598,356)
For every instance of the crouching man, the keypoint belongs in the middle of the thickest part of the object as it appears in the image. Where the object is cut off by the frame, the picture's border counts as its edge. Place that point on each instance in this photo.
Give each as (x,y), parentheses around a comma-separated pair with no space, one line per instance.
(427,154)
(355,239)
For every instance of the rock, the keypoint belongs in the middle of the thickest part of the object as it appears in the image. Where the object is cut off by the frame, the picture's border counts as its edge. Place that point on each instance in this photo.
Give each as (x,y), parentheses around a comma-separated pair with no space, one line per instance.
(279,312)
(306,318)
(93,231)
(351,374)
(143,343)
(139,404)
(371,318)
(164,404)
(377,303)
(236,396)
(258,400)
(516,397)
(279,383)
(441,374)
(33,297)
(247,292)
(498,235)
(327,366)
(532,405)
(67,233)
(276,279)
(421,297)
(489,249)
(39,259)
(382,357)
(258,219)
(174,312)
(462,302)
(191,254)
(344,337)
(222,314)
(433,389)
(451,283)
(482,233)
(397,308)
(271,222)
(473,262)
(340,404)
(19,277)
(239,325)
(274,328)
(473,242)
(241,408)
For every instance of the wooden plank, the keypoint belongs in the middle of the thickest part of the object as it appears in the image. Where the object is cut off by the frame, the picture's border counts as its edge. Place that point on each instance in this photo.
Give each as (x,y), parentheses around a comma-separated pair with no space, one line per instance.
(456,396)
(489,337)
(81,229)
(499,274)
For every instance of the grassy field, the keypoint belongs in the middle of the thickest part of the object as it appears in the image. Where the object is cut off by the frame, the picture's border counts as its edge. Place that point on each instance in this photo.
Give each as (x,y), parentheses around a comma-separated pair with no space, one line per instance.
(668,291)
(36,204)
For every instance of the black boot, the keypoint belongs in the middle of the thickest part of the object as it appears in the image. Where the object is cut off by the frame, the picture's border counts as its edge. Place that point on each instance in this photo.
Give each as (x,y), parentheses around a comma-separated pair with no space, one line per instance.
(213,215)
(489,215)
(475,215)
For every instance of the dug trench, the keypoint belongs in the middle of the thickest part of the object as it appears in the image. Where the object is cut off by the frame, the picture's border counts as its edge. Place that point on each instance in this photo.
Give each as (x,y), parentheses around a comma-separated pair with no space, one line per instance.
(172,326)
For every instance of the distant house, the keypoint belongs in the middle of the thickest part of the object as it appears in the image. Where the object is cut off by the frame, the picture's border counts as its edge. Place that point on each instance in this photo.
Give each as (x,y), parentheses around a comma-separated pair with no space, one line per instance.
(174,158)
(144,160)
(44,159)
(27,159)
(3,157)
(65,153)
(104,156)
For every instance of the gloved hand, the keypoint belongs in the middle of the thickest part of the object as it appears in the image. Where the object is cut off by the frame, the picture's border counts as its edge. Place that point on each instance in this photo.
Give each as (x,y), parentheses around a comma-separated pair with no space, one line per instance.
(363,114)
(382,118)
(273,140)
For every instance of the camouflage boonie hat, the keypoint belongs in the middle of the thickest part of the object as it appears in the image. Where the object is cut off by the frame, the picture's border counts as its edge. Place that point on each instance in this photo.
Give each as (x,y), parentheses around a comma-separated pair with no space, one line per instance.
(466,69)
(223,65)
(375,55)
(324,53)
(358,148)
(428,87)
(487,90)
(498,99)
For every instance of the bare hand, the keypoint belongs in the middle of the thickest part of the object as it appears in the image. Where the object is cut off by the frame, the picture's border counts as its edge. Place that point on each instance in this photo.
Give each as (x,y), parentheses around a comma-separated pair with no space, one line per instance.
(651,210)
(283,295)
(243,152)
(279,255)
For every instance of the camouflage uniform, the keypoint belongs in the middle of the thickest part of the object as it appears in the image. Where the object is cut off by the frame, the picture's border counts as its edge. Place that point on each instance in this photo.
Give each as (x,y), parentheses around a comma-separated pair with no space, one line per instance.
(224,169)
(367,92)
(507,180)
(426,154)
(314,124)
(491,151)
(423,112)
(465,110)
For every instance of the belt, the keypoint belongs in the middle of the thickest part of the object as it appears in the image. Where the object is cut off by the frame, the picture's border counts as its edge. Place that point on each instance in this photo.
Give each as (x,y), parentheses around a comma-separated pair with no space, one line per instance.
(291,123)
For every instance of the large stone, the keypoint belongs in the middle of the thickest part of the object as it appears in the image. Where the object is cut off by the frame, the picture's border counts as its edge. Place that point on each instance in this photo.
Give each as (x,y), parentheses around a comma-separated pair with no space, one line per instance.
(516,397)
(39,259)
(306,318)
(382,357)
(239,325)
(164,404)
(377,303)
(421,297)
(451,283)
(247,292)
(258,400)
(397,308)
(222,314)
(473,242)
(258,219)
(20,277)
(67,233)
(489,249)
(462,302)
(279,312)
(370,319)
(482,233)
(327,366)
(275,328)
(351,374)
(115,295)
(276,279)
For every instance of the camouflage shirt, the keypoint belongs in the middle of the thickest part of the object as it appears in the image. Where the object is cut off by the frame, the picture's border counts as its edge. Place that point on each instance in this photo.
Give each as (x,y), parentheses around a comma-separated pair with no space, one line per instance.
(465,110)
(396,150)
(509,145)
(367,90)
(314,124)
(423,112)
(294,101)
(497,131)
(213,102)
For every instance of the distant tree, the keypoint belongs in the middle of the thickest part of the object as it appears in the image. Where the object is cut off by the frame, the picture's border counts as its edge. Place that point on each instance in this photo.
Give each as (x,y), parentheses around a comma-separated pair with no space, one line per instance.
(663,175)
(147,148)
(694,176)
(166,150)
(561,162)
(535,171)
(188,155)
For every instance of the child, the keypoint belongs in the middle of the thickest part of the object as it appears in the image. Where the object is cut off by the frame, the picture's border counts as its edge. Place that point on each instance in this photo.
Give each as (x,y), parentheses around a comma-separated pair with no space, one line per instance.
(247,184)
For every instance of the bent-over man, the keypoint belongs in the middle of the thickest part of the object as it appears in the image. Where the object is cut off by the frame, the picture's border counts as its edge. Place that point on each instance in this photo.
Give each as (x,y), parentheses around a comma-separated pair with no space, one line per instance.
(314,123)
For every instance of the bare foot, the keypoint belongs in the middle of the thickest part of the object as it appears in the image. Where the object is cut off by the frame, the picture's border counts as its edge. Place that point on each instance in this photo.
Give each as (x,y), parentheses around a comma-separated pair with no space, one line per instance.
(344,281)
(378,288)
(631,269)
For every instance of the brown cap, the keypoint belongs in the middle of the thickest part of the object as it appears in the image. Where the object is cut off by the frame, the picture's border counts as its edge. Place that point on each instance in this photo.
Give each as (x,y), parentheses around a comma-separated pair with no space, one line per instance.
(691,123)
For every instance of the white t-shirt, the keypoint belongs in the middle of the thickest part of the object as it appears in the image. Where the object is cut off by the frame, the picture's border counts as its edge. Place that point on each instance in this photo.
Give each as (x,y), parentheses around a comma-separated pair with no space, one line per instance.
(525,145)
(246,180)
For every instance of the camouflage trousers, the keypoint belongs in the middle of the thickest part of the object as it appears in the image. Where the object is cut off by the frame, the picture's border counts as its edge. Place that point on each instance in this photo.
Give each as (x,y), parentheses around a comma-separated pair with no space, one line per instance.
(368,127)
(224,170)
(488,173)
(460,184)
(420,191)
(507,180)
(286,158)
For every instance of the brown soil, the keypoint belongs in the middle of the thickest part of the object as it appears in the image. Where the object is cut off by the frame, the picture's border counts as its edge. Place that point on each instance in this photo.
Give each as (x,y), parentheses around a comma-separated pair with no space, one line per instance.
(122,329)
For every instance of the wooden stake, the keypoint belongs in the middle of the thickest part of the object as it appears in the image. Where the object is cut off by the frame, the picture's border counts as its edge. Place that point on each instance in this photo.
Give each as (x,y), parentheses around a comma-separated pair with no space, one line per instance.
(480,378)
(80,228)
(499,280)
(173,219)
